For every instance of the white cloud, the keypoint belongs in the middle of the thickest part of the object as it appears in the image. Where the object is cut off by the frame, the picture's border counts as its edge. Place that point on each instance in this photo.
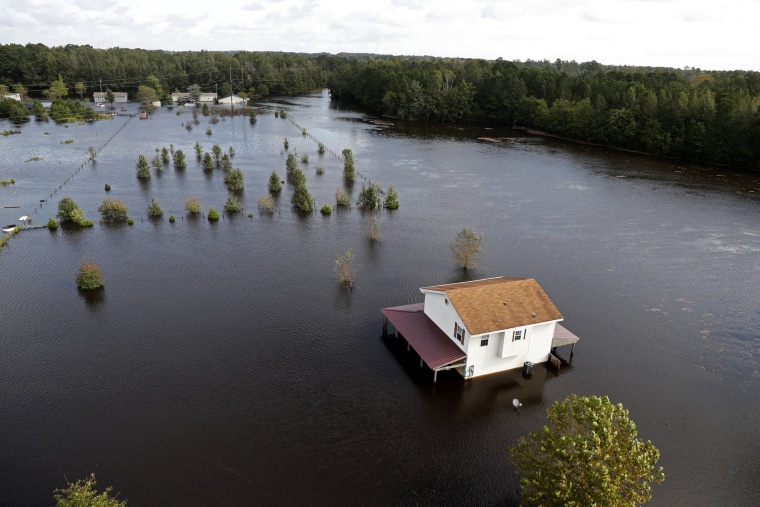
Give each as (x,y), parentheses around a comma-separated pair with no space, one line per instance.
(636,32)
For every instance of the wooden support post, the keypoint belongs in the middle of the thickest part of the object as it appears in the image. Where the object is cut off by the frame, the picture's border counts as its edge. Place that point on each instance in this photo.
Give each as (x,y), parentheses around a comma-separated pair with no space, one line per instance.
(420,362)
(408,346)
(435,375)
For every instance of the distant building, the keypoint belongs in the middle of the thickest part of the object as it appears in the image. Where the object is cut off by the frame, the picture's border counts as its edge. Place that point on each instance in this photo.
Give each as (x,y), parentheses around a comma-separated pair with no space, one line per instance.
(233,99)
(483,326)
(186,97)
(9,95)
(100,97)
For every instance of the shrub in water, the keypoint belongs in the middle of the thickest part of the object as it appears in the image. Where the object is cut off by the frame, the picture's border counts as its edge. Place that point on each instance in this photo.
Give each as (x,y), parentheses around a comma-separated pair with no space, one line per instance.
(143,169)
(52,224)
(266,204)
(320,171)
(130,221)
(233,204)
(321,148)
(192,204)
(154,209)
(301,198)
(213,215)
(326,209)
(89,276)
(234,179)
(171,218)
(179,160)
(274,183)
(108,187)
(342,199)
(391,198)
(113,209)
(305,159)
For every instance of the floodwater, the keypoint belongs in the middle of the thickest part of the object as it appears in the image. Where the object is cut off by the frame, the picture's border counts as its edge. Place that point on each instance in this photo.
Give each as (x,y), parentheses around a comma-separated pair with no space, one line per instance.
(224,365)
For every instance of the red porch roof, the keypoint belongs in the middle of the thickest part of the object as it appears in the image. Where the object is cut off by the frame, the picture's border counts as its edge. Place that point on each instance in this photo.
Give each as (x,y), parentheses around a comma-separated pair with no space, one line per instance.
(427,339)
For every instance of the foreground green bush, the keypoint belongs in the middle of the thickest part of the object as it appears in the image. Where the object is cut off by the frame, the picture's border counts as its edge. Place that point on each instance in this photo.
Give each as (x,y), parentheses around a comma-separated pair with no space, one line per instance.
(82,493)
(52,224)
(326,209)
(213,215)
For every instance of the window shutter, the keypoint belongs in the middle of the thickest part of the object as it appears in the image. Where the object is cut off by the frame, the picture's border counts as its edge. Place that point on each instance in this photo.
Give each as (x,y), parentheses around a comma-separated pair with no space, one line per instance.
(456,327)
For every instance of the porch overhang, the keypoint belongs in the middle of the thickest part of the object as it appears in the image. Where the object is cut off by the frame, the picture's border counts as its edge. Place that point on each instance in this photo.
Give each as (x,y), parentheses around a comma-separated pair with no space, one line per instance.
(435,348)
(563,337)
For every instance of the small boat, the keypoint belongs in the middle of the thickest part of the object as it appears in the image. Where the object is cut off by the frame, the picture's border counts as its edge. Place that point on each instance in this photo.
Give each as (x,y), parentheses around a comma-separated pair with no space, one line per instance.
(9,228)
(101,105)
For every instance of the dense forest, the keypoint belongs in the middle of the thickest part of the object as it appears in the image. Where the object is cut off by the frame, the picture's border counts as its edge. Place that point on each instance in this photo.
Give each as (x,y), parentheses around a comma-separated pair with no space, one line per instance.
(687,113)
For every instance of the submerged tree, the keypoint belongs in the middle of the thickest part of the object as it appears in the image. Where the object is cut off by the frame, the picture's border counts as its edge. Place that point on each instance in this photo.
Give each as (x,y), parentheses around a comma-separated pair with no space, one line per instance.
(349,172)
(368,198)
(344,269)
(274,183)
(301,198)
(192,204)
(391,198)
(143,169)
(89,276)
(208,162)
(69,211)
(179,160)
(154,209)
(466,248)
(588,453)
(113,209)
(234,179)
(232,205)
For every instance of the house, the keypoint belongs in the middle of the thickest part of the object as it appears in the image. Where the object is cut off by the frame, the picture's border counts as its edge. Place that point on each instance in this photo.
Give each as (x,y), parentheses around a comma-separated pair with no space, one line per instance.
(233,99)
(178,97)
(10,95)
(483,326)
(100,97)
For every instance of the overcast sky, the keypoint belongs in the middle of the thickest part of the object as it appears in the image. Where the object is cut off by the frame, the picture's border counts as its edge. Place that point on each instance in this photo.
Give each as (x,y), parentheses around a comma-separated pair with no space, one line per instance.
(710,35)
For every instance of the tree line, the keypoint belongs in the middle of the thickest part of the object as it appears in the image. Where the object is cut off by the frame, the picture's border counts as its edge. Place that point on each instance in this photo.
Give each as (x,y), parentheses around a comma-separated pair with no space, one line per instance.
(686,113)
(704,116)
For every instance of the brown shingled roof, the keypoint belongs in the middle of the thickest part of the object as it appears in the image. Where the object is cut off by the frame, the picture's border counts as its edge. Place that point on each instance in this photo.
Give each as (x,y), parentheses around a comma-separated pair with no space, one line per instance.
(499,303)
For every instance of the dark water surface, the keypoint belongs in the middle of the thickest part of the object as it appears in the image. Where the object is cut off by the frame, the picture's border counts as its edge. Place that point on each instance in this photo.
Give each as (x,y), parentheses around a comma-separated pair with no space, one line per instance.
(224,365)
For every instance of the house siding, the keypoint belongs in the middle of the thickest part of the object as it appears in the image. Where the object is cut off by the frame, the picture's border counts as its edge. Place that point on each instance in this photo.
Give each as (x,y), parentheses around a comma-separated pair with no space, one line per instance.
(534,347)
(444,316)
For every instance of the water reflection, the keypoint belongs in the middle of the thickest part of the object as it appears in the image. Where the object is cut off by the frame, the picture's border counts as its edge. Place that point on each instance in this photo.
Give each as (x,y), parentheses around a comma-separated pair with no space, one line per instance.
(93,298)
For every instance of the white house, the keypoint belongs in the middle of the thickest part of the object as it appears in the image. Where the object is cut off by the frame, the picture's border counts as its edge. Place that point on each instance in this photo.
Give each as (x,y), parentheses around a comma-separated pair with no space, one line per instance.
(11,95)
(178,97)
(100,97)
(483,326)
(233,99)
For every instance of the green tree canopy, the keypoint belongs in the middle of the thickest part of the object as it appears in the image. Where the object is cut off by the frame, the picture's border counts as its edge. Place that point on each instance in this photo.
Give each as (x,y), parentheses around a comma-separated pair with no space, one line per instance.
(588,453)
(466,248)
(57,89)
(82,493)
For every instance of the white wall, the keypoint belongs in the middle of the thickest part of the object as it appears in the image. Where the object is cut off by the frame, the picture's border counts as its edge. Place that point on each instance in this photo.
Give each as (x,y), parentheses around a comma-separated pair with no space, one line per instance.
(444,316)
(534,347)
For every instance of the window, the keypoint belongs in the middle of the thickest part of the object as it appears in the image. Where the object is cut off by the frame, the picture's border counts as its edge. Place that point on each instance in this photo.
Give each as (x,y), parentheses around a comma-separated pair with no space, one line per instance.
(484,340)
(517,335)
(459,333)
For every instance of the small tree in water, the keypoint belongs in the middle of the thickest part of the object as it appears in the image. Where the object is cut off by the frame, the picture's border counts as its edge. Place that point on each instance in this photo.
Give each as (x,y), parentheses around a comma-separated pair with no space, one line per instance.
(588,453)
(154,209)
(143,169)
(179,160)
(274,183)
(89,276)
(344,269)
(466,248)
(192,204)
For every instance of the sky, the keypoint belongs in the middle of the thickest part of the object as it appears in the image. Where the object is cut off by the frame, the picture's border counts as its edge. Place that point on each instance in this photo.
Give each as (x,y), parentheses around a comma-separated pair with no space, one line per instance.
(709,35)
